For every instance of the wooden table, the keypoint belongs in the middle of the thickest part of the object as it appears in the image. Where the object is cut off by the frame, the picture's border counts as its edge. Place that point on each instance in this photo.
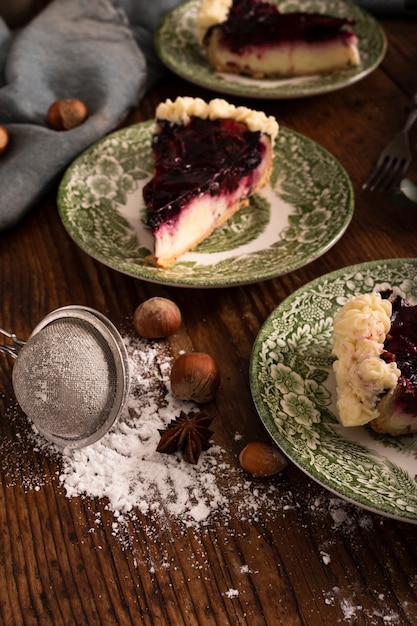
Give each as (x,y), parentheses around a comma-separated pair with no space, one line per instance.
(307,557)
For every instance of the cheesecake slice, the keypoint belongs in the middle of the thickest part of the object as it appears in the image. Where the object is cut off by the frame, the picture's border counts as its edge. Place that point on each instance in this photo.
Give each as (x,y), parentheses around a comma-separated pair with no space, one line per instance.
(210,157)
(254,38)
(375,344)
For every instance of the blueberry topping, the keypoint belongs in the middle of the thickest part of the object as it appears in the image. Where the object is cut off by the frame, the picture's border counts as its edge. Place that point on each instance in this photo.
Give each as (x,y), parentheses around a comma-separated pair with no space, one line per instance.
(401,345)
(261,23)
(204,156)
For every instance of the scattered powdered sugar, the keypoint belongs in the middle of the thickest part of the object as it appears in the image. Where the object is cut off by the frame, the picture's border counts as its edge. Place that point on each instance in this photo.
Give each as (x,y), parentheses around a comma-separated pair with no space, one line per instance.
(325,557)
(125,468)
(352,611)
(125,471)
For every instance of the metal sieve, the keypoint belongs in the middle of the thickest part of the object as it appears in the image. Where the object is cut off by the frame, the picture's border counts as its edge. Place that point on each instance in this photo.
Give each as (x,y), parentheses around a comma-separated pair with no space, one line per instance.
(71,377)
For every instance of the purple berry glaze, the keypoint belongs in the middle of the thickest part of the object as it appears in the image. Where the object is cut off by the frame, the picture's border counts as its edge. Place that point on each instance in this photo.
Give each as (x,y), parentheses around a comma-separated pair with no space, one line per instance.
(401,346)
(251,22)
(205,156)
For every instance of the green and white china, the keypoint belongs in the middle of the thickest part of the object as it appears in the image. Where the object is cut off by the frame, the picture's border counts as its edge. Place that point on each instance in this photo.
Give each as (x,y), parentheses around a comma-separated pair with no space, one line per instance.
(294,390)
(302,212)
(184,55)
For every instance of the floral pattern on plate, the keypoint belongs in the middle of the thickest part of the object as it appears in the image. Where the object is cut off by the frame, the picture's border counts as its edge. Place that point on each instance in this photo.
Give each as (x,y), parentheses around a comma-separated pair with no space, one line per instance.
(298,216)
(184,55)
(294,391)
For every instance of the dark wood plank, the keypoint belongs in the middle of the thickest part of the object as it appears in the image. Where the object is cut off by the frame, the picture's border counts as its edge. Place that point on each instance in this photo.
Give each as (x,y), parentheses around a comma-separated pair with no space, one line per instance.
(306,557)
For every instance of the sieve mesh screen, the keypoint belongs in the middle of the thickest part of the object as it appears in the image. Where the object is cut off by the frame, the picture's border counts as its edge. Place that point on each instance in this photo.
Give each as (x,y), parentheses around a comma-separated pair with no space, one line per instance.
(66,379)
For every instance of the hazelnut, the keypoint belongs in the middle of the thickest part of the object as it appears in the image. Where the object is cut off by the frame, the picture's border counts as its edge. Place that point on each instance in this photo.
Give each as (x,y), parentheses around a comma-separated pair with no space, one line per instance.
(156,318)
(66,114)
(262,459)
(4,138)
(195,376)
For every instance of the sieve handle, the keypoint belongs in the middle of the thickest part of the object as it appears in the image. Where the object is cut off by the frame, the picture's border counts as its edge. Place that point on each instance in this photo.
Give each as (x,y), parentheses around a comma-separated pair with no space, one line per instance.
(11,350)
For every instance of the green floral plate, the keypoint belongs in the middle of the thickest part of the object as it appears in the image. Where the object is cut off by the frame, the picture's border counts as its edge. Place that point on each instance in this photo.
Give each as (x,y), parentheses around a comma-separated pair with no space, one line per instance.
(294,391)
(184,55)
(302,212)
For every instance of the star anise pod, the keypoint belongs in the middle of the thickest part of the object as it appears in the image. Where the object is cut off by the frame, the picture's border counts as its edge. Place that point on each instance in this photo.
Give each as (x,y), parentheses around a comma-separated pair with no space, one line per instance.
(189,433)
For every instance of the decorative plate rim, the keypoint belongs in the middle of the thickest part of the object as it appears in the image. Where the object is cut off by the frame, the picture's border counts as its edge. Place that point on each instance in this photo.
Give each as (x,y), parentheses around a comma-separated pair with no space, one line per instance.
(338,463)
(93,222)
(194,67)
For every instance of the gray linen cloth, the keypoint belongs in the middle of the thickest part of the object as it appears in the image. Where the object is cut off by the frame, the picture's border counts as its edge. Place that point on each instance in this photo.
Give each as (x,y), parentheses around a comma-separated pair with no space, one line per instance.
(100,51)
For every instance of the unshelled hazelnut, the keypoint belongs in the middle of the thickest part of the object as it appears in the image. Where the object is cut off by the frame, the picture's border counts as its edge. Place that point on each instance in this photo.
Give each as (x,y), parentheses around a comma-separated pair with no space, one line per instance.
(66,114)
(156,318)
(4,138)
(195,376)
(262,459)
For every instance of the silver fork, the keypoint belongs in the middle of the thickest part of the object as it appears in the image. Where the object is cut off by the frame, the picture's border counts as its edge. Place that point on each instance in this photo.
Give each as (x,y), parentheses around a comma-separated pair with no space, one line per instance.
(394,160)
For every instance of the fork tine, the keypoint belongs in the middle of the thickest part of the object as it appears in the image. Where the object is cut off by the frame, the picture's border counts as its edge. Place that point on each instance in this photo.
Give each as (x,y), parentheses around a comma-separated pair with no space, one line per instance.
(394,160)
(394,175)
(391,175)
(404,167)
(388,182)
(387,172)
(377,173)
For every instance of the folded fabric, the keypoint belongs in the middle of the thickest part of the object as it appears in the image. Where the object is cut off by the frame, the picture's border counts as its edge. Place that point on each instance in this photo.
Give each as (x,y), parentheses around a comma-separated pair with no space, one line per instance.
(99,51)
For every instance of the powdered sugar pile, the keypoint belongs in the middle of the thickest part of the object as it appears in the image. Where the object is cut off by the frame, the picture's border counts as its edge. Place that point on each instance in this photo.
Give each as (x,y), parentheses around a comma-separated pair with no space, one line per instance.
(125,468)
